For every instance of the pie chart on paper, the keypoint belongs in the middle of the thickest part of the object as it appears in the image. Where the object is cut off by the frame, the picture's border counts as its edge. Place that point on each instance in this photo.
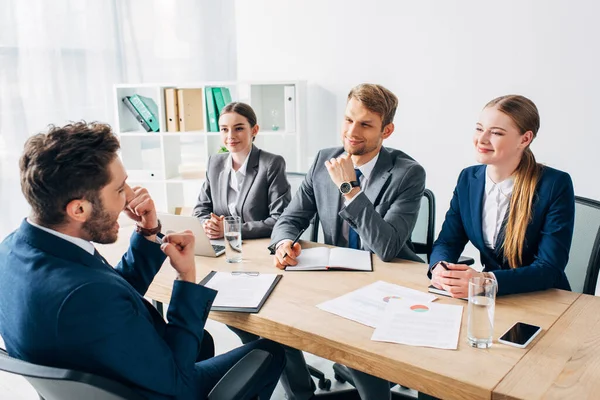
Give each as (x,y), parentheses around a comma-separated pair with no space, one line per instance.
(386,299)
(419,308)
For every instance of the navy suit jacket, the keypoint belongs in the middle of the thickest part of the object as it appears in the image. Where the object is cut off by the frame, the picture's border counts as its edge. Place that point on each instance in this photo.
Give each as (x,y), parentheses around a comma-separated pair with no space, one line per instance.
(63,307)
(547,238)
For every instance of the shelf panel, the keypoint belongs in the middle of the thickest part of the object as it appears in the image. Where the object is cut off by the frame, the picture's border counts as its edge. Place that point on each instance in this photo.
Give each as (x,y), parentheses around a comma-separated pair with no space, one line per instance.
(158,134)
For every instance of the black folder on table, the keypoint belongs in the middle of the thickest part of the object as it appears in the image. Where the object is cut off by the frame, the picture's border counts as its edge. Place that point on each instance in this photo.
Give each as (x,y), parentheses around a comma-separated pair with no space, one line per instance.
(244,278)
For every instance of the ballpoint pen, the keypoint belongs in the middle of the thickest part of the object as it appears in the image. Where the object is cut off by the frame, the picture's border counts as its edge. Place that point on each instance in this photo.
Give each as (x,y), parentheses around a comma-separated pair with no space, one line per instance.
(296,240)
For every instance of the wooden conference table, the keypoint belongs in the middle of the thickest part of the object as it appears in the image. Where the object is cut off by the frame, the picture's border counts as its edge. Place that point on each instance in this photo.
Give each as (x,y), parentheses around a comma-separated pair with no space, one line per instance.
(290,317)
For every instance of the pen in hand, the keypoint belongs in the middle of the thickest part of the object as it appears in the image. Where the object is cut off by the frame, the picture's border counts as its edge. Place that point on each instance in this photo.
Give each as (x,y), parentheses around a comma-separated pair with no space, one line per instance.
(445,265)
(295,240)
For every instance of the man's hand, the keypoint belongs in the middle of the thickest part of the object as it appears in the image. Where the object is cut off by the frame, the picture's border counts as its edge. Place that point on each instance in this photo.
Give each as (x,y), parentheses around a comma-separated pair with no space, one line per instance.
(285,255)
(341,169)
(455,280)
(140,208)
(213,227)
(179,247)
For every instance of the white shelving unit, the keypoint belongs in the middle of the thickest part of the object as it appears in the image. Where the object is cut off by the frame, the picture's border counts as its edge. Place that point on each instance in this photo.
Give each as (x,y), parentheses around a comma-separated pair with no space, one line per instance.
(172,165)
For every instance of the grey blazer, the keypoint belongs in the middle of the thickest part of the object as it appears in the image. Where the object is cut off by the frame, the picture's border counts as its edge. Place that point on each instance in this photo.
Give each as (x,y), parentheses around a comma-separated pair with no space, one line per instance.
(383,215)
(265,192)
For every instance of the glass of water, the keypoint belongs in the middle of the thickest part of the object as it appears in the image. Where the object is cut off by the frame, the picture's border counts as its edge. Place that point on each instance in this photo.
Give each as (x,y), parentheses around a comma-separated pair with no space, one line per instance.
(482,302)
(232,227)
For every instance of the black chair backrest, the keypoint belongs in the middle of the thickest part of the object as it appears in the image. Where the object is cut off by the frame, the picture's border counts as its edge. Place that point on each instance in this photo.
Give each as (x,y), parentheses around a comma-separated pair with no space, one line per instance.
(422,234)
(59,384)
(295,179)
(584,258)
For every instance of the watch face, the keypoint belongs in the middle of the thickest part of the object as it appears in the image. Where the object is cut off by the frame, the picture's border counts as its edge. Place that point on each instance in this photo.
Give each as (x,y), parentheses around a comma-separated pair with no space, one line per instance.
(345,188)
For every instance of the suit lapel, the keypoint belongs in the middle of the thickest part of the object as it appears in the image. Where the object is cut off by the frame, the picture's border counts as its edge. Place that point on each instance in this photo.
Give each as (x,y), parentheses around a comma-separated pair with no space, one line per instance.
(335,201)
(220,197)
(379,176)
(251,172)
(476,189)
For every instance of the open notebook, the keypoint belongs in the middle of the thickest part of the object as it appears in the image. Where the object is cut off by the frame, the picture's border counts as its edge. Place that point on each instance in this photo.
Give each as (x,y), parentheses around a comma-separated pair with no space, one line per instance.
(335,258)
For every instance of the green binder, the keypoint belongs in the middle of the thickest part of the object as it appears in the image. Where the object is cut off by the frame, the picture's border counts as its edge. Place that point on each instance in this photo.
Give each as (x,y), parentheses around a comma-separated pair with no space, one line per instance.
(226,95)
(211,110)
(220,103)
(147,109)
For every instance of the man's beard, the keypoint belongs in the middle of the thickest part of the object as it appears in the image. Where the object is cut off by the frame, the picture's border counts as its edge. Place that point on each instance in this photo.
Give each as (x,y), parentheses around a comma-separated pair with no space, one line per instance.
(100,228)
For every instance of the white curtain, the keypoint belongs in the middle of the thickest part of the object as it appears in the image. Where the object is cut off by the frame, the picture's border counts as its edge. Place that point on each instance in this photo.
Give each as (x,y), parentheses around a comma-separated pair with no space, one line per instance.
(60,59)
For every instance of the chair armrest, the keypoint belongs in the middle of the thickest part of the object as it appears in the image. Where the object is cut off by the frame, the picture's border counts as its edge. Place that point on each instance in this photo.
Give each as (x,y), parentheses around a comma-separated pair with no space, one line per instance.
(466,260)
(244,375)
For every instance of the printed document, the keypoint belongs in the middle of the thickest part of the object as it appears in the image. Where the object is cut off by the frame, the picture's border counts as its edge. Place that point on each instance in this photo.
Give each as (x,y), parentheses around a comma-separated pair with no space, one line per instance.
(420,324)
(367,304)
(241,289)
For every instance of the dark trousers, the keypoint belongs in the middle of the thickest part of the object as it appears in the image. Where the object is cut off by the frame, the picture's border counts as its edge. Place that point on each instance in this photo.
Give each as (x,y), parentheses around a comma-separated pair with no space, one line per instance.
(210,371)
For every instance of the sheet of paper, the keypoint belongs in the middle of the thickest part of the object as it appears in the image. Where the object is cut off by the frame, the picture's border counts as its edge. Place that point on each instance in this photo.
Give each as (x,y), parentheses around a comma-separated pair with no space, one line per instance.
(317,257)
(240,290)
(367,304)
(420,324)
(359,260)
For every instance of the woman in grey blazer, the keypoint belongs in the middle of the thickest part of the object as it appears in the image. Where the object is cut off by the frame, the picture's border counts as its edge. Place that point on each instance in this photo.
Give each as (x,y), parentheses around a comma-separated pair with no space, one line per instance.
(246,181)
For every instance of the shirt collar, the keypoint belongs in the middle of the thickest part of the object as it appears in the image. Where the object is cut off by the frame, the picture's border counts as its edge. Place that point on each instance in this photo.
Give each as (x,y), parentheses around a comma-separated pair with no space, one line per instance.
(367,168)
(84,244)
(244,166)
(505,187)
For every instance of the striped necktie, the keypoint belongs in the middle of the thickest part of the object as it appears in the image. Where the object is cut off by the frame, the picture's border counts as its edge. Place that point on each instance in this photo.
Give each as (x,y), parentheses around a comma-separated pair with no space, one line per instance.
(353,238)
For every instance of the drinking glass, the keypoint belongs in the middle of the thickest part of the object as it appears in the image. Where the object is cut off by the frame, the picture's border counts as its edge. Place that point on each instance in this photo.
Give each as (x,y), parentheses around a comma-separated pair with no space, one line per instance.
(232,227)
(480,313)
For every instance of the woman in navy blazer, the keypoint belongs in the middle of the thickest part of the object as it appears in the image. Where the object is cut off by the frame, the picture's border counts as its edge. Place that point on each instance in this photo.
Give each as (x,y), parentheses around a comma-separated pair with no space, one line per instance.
(519,214)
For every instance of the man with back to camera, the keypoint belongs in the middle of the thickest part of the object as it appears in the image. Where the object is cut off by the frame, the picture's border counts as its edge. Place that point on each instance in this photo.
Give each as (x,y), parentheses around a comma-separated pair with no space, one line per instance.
(63,305)
(367,197)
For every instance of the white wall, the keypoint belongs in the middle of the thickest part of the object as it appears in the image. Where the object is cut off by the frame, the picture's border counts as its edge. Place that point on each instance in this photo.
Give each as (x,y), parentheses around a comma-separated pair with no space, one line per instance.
(444,60)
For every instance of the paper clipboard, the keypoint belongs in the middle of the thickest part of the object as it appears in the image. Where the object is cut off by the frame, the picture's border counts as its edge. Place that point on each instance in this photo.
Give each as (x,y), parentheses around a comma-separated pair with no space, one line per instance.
(242,309)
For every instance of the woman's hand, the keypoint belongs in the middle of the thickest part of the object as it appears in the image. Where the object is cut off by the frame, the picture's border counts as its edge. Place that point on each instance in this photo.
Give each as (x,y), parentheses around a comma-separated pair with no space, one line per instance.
(455,279)
(213,227)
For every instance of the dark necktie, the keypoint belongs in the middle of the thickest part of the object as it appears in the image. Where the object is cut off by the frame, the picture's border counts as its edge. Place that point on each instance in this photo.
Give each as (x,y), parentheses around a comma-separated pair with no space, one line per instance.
(353,238)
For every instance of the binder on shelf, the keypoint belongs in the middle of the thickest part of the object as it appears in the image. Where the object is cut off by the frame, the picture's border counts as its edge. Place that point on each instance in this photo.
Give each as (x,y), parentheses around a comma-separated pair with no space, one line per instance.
(147,109)
(211,110)
(136,113)
(191,117)
(219,101)
(230,297)
(289,94)
(226,95)
(171,110)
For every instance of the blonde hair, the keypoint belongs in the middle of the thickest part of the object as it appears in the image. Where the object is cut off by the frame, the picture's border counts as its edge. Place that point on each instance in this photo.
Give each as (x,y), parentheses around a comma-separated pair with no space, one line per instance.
(376,99)
(525,115)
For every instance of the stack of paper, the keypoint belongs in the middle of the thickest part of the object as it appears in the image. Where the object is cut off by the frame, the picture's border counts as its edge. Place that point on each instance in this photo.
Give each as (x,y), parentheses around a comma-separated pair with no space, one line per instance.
(400,314)
(417,324)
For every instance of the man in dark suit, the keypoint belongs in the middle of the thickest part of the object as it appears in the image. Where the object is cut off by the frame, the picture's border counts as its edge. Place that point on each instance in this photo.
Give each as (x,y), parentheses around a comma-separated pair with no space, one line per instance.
(367,197)
(63,305)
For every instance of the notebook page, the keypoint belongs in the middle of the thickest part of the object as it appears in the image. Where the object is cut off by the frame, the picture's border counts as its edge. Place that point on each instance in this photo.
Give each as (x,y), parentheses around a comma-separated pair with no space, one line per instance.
(342,257)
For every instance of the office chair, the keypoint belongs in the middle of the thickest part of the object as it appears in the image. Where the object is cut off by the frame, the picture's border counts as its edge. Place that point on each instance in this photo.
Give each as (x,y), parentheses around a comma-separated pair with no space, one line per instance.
(64,384)
(584,257)
(422,236)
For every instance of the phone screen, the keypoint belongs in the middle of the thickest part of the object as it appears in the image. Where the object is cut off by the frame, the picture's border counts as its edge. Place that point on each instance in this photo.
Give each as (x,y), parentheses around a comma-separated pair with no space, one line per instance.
(520,333)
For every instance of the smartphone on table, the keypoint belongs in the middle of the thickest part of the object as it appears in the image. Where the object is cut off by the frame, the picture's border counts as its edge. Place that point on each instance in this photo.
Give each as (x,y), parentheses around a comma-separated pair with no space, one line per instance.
(520,335)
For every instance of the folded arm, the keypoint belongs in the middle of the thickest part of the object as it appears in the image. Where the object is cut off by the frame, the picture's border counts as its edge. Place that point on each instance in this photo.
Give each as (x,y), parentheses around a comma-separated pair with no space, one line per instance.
(102,325)
(141,262)
(386,235)
(279,197)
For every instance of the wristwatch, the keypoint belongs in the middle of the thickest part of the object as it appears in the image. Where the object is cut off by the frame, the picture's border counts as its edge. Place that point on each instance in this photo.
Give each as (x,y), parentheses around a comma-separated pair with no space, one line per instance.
(346,187)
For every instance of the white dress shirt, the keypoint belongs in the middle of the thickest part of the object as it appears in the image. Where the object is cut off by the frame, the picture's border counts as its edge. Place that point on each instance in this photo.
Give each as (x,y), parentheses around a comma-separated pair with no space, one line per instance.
(236,180)
(366,170)
(84,244)
(496,200)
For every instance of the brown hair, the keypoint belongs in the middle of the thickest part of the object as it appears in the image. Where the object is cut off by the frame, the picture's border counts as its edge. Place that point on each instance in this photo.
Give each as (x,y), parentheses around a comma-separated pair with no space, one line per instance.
(64,164)
(525,115)
(243,109)
(376,99)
